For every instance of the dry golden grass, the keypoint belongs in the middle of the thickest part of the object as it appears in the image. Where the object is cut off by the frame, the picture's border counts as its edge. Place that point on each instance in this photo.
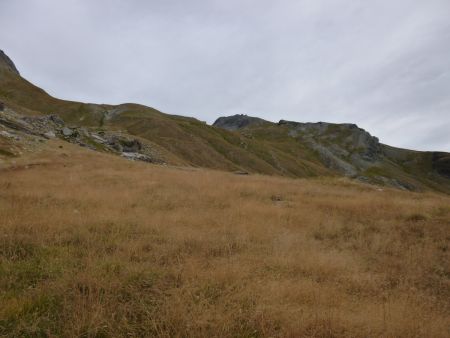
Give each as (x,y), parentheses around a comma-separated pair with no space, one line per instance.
(95,246)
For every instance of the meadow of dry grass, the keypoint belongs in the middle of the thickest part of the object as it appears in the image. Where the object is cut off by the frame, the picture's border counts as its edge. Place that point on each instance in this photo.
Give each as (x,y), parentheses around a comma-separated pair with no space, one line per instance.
(95,246)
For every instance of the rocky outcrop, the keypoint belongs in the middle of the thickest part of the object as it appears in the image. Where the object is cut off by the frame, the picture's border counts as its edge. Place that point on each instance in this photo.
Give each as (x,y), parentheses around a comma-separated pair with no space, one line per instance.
(239,121)
(6,64)
(125,145)
(344,147)
(27,125)
(36,129)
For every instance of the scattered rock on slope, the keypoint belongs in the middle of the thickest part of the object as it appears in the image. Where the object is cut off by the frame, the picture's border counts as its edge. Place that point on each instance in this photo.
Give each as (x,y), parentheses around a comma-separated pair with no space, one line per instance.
(27,131)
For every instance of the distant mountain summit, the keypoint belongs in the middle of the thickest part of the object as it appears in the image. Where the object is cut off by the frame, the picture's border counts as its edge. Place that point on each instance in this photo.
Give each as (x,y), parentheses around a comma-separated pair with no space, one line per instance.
(238,121)
(7,64)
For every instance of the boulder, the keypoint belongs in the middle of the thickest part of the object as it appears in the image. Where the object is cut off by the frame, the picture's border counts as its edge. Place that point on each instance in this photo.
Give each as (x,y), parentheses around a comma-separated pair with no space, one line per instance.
(67,131)
(50,134)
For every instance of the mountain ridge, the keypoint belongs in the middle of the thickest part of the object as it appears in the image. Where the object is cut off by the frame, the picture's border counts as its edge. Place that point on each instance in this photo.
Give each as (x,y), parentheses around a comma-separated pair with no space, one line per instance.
(238,142)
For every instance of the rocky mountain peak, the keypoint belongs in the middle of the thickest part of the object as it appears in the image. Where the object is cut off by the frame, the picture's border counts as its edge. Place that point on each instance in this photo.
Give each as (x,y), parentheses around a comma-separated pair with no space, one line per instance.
(238,121)
(7,64)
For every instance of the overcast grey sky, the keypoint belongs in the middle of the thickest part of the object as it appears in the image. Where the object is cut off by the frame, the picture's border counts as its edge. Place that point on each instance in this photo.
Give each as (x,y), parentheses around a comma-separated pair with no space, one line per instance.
(383,64)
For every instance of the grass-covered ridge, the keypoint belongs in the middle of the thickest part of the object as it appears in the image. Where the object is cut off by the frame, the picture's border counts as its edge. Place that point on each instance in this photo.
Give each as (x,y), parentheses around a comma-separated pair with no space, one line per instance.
(265,148)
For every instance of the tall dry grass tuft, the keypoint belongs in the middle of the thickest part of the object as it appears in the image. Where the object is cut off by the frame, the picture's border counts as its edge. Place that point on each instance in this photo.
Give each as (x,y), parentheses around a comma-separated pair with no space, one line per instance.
(92,245)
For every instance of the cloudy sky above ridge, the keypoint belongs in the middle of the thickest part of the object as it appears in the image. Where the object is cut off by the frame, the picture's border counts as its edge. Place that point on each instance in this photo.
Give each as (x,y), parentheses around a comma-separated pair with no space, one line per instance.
(383,64)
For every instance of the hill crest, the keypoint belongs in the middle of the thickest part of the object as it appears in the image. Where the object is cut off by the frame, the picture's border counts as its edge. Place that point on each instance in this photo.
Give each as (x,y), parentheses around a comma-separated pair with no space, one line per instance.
(7,64)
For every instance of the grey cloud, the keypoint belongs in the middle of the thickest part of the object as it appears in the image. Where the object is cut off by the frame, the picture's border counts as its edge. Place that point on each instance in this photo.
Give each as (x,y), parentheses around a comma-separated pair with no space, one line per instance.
(381,64)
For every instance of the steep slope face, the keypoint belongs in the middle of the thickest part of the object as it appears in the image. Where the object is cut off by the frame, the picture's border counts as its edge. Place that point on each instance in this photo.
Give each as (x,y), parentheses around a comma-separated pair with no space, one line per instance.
(6,64)
(28,99)
(239,142)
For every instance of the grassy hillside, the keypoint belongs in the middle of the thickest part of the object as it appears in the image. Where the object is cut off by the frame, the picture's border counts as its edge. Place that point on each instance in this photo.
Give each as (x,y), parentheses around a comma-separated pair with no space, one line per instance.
(265,148)
(93,245)
(188,140)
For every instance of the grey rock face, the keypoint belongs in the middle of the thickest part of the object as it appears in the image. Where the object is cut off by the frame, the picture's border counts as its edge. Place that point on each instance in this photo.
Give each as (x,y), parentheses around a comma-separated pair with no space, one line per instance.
(343,147)
(333,161)
(15,122)
(43,124)
(239,121)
